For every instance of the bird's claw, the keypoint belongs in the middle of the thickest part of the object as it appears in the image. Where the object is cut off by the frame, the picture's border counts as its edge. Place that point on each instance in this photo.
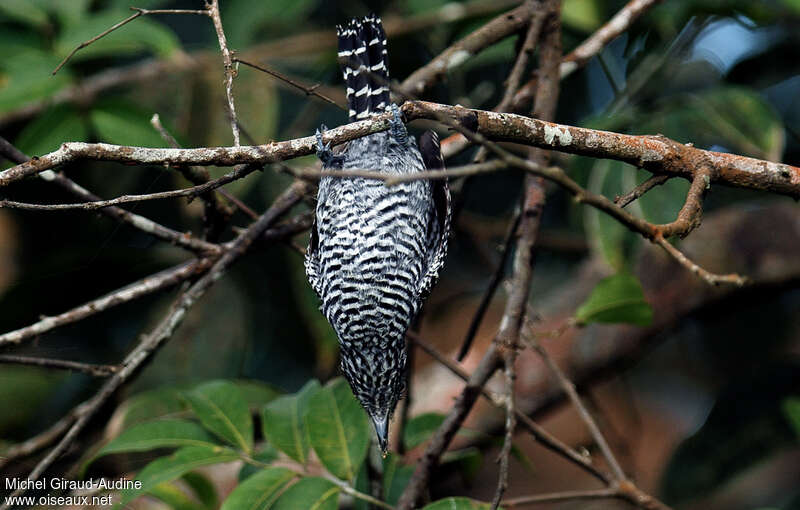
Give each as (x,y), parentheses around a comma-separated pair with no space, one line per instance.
(324,152)
(398,128)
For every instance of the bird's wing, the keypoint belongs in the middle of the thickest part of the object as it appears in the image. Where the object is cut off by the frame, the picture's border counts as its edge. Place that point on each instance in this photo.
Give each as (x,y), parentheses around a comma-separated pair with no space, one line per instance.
(439,220)
(312,259)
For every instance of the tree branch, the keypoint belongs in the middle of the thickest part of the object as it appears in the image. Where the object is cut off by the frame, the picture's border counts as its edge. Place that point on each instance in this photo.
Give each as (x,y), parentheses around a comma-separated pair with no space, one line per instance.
(656,154)
(212,6)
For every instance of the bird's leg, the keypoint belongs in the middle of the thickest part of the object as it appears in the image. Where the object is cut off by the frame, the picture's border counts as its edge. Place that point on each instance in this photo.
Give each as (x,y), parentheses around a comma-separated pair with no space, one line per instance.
(324,152)
(396,126)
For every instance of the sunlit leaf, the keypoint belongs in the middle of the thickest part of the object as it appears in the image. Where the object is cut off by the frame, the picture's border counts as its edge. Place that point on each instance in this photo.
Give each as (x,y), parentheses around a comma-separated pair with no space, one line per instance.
(284,425)
(169,468)
(259,491)
(338,429)
(311,492)
(222,409)
(616,299)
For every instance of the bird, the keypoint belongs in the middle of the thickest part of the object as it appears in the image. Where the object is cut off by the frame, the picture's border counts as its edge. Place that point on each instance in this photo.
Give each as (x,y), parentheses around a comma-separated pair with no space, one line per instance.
(375,251)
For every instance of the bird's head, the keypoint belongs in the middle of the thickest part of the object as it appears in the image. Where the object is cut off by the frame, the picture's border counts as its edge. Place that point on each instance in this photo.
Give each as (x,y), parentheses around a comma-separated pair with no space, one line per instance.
(377,377)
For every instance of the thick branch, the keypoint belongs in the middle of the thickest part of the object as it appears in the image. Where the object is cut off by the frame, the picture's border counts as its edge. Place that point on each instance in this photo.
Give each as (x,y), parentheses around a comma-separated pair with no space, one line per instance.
(656,154)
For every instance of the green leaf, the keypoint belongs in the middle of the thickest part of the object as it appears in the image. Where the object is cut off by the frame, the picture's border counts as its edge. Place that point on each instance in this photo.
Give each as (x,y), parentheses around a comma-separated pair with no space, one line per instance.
(259,491)
(223,410)
(257,393)
(166,469)
(608,238)
(121,123)
(47,132)
(395,478)
(158,434)
(26,78)
(244,18)
(266,455)
(616,299)
(583,15)
(70,13)
(26,11)
(283,424)
(791,408)
(203,489)
(420,428)
(338,429)
(134,37)
(149,405)
(457,504)
(175,498)
(312,493)
(792,4)
(467,460)
(737,118)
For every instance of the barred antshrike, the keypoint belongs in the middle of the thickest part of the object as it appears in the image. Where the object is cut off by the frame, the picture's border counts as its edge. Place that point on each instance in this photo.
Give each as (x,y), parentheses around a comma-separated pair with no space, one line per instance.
(375,251)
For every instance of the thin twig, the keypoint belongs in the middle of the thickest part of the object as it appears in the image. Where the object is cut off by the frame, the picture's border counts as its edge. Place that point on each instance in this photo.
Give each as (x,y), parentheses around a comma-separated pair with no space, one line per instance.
(488,294)
(216,214)
(641,189)
(148,285)
(303,44)
(309,91)
(212,6)
(184,240)
(541,435)
(39,441)
(590,47)
(193,191)
(586,417)
(88,368)
(709,277)
(495,30)
(560,496)
(152,283)
(139,12)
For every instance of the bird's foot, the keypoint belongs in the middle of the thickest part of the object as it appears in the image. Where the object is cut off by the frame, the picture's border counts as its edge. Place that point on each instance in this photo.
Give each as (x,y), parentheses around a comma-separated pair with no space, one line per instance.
(397,127)
(324,152)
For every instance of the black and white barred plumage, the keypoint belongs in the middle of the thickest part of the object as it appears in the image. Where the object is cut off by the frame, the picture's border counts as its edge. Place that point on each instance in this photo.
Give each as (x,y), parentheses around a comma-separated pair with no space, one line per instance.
(376,251)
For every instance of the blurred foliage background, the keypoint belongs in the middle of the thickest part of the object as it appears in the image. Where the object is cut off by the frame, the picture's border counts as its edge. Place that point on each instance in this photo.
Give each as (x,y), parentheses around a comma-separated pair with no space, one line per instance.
(722,74)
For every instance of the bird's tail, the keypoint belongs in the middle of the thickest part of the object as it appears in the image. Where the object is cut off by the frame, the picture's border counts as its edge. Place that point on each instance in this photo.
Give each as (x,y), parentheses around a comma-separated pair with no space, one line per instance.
(362,45)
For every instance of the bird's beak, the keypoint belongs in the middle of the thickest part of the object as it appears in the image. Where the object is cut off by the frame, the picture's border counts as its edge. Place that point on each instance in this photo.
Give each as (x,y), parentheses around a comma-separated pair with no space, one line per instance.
(382,430)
